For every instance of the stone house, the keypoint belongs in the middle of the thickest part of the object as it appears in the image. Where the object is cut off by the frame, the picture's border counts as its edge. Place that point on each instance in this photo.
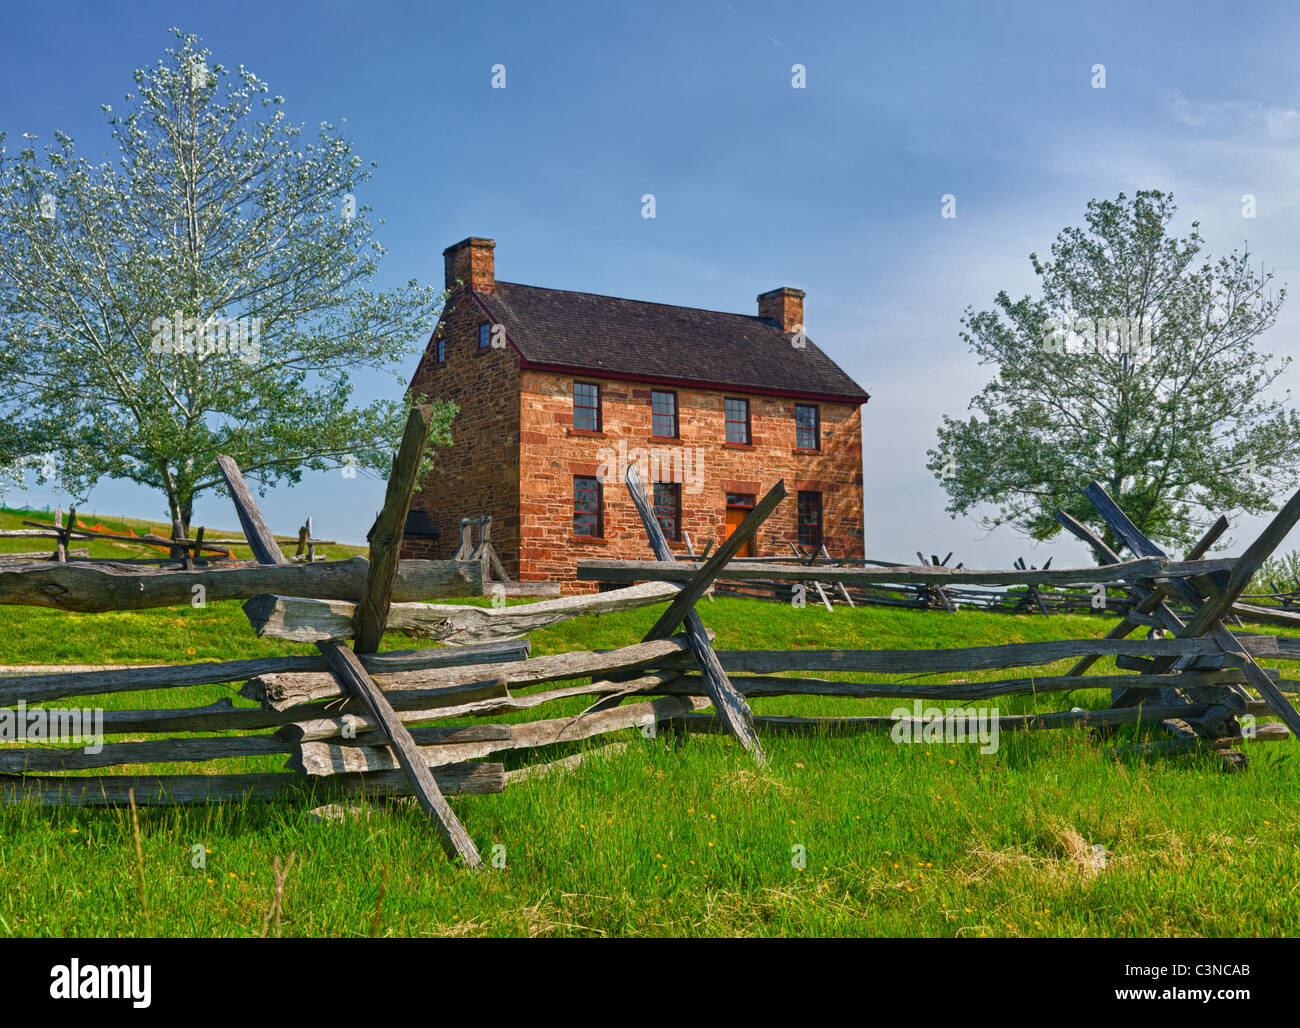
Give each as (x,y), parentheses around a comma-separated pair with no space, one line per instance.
(558,391)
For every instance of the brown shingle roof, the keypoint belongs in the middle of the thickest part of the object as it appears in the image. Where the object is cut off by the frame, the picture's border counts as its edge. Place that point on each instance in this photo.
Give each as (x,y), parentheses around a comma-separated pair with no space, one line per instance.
(658,342)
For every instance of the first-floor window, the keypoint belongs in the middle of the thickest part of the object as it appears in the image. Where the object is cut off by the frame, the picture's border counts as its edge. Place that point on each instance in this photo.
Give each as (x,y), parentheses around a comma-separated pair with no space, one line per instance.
(810,519)
(587,514)
(668,508)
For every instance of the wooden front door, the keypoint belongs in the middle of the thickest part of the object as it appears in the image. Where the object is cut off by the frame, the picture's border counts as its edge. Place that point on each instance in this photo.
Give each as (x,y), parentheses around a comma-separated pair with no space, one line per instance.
(738,507)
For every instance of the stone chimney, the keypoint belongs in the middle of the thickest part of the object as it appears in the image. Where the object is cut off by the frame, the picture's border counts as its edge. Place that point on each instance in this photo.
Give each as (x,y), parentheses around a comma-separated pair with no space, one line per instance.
(783,306)
(470,261)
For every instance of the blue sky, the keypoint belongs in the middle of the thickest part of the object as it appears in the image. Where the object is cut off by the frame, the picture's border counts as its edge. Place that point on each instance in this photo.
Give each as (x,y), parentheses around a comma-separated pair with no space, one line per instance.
(834,188)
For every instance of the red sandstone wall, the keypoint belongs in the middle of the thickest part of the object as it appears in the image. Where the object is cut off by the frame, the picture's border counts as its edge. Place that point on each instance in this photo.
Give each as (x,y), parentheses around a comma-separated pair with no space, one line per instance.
(552,452)
(479,473)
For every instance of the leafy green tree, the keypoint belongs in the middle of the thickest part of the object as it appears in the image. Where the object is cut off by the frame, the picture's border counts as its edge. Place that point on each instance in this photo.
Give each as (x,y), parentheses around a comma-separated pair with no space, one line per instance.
(205,293)
(1137,367)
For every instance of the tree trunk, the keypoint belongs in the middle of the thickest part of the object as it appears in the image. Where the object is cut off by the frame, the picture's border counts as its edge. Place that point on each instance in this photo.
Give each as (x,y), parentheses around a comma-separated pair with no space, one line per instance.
(182,510)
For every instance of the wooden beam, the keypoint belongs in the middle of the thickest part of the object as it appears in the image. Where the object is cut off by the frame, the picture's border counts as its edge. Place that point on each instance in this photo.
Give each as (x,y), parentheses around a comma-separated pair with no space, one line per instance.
(179,545)
(1208,613)
(153,751)
(779,685)
(1144,601)
(593,570)
(690,551)
(386,536)
(41,555)
(93,588)
(839,727)
(355,680)
(325,758)
(1243,570)
(41,688)
(406,689)
(163,790)
(965,658)
(455,840)
(260,539)
(840,585)
(699,585)
(1210,537)
(61,547)
(371,622)
(730,704)
(335,726)
(807,561)
(303,620)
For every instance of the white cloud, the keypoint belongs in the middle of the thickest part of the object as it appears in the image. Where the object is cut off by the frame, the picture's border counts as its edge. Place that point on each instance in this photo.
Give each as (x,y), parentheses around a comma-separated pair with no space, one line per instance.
(1249,116)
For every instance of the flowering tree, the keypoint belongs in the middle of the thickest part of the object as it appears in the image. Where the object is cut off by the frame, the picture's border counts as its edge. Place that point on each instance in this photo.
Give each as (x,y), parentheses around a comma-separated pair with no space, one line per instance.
(207,293)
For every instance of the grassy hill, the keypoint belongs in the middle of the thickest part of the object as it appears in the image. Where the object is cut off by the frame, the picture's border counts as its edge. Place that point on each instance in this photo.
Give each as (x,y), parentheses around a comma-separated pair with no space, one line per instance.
(13,519)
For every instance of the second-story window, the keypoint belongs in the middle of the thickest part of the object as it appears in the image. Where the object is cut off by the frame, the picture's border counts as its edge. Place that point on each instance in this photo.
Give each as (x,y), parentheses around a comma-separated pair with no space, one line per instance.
(484,336)
(442,351)
(737,420)
(586,406)
(663,414)
(807,426)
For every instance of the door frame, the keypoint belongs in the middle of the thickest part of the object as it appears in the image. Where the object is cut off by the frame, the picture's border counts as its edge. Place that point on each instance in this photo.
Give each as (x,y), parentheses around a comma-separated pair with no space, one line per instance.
(750,548)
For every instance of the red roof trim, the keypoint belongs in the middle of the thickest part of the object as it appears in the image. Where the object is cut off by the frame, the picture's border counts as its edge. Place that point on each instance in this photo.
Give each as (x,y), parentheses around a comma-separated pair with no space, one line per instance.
(720,387)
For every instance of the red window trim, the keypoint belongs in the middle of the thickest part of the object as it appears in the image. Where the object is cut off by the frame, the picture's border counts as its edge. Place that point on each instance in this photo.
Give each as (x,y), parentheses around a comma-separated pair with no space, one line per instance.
(821,518)
(600,413)
(600,507)
(677,414)
(727,422)
(816,428)
(677,516)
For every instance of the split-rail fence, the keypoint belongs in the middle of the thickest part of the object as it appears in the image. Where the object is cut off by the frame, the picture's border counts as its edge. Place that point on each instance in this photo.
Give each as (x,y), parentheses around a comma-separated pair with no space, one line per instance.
(420,722)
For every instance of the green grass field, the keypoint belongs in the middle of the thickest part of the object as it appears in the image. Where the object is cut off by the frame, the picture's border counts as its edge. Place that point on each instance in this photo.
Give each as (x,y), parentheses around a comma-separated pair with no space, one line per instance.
(907,840)
(109,548)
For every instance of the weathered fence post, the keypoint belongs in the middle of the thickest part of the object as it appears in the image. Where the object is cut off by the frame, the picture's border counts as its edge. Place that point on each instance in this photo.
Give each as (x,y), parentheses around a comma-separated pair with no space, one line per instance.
(731,706)
(371,614)
(1207,613)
